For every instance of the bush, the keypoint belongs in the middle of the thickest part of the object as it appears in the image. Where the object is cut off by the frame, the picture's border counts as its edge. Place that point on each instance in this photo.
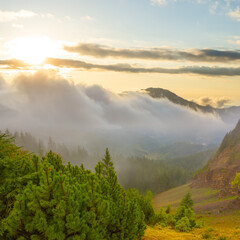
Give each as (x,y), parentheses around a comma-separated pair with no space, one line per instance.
(206,235)
(185,218)
(183,225)
(161,217)
(222,238)
(145,203)
(168,209)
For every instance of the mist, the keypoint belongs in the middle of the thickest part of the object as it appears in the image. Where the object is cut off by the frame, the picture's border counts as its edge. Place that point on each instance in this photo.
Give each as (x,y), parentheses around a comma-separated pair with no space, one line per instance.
(46,104)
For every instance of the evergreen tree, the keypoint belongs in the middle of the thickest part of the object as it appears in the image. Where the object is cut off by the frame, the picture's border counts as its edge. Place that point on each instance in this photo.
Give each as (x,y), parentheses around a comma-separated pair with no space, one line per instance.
(187,201)
(107,163)
(185,218)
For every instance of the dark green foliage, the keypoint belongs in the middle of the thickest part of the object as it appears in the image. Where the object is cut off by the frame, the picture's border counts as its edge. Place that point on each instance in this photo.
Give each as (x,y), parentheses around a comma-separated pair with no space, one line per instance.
(187,201)
(168,209)
(75,155)
(193,162)
(222,238)
(183,225)
(15,171)
(145,174)
(185,218)
(107,163)
(161,217)
(206,235)
(230,139)
(145,203)
(44,199)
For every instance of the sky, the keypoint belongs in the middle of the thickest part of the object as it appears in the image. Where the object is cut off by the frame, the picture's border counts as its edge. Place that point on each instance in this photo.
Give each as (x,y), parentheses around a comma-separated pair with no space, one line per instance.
(189,47)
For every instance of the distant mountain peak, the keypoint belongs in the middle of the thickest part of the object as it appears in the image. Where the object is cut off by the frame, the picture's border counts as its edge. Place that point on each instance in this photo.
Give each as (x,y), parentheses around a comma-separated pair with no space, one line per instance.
(229,114)
(172,97)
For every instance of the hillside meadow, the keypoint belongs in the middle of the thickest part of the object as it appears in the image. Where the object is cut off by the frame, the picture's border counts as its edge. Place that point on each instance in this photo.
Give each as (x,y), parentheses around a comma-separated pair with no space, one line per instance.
(220,215)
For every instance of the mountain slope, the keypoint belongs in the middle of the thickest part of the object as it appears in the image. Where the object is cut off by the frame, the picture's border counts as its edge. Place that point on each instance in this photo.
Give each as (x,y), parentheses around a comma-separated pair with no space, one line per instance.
(164,93)
(222,168)
(229,114)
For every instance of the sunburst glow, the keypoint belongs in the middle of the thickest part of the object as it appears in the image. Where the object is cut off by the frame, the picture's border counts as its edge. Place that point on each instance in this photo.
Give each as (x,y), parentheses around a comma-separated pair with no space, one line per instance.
(33,50)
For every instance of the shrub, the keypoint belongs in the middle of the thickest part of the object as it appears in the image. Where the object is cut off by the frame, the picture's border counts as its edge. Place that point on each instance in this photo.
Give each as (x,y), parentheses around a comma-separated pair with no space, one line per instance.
(185,218)
(161,217)
(168,209)
(145,203)
(222,238)
(206,235)
(183,225)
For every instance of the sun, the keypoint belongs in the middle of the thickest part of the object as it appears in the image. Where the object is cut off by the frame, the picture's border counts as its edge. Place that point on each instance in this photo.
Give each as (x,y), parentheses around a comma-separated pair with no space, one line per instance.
(33,50)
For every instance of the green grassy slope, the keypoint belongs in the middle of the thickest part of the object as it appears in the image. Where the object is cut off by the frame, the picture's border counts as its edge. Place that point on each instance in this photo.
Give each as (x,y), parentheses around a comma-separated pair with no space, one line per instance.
(206,200)
(221,215)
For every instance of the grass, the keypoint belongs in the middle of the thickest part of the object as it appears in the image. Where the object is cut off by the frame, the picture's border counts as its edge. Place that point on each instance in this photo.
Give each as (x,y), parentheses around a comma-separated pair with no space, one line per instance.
(219,225)
(173,196)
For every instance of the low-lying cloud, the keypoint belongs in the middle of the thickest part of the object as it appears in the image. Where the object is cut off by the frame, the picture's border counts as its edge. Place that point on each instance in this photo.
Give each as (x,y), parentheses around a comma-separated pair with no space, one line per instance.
(193,55)
(48,105)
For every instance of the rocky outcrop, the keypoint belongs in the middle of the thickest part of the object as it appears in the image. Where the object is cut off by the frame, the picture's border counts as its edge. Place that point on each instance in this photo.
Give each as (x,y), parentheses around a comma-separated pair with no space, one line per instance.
(222,168)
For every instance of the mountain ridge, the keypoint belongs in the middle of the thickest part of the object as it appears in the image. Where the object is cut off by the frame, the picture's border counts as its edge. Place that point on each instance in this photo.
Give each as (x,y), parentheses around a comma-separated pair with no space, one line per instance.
(228,114)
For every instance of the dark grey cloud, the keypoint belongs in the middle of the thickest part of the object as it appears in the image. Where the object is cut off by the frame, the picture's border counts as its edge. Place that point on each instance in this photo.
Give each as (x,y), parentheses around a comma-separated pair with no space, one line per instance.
(125,67)
(222,102)
(214,102)
(12,64)
(201,70)
(206,101)
(194,55)
(47,104)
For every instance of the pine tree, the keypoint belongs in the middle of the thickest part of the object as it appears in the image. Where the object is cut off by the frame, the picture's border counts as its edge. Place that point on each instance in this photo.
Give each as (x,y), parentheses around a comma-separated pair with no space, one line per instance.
(187,201)
(107,163)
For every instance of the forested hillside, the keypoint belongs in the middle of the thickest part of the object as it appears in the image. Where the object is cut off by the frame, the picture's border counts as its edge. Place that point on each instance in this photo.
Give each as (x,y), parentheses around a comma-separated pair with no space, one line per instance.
(133,172)
(42,198)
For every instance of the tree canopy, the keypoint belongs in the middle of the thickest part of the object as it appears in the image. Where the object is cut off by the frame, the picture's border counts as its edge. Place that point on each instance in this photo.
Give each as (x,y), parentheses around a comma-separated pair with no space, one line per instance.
(45,199)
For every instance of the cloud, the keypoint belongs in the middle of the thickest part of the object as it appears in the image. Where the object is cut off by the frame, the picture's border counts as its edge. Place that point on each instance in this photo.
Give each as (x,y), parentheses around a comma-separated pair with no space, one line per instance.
(17,25)
(213,7)
(201,70)
(48,15)
(214,102)
(222,102)
(8,16)
(159,2)
(47,104)
(89,18)
(194,55)
(124,67)
(68,18)
(206,101)
(12,64)
(235,14)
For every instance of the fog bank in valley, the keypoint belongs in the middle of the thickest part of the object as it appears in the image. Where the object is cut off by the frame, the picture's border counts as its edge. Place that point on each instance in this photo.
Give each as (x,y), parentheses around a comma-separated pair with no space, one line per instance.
(46,104)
